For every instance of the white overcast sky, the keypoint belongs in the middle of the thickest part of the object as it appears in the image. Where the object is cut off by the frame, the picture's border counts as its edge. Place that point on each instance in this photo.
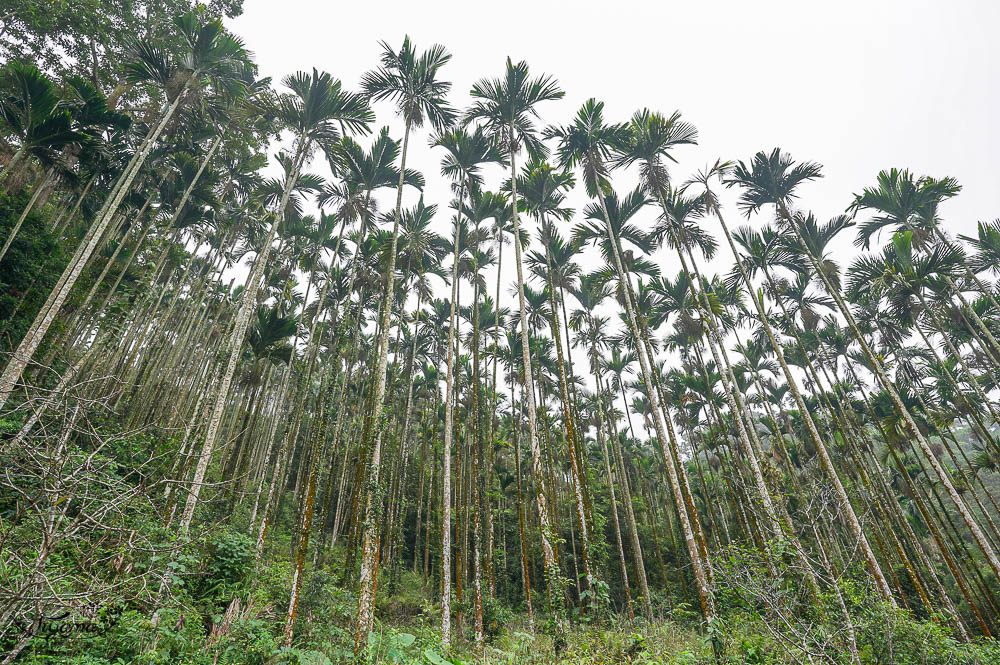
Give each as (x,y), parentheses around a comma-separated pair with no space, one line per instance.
(857,86)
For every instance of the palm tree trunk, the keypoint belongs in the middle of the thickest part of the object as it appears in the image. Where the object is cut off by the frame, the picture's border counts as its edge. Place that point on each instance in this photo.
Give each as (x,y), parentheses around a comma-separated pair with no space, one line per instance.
(309,499)
(525,570)
(420,492)
(107,267)
(890,388)
(376,418)
(548,553)
(698,566)
(494,414)
(571,435)
(847,510)
(614,511)
(12,163)
(26,349)
(24,213)
(637,551)
(411,372)
(248,303)
(449,424)
(58,225)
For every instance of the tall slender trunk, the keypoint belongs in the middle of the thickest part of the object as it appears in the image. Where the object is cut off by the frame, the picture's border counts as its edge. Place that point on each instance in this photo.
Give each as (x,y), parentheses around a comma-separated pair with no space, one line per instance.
(697,564)
(476,472)
(449,424)
(58,226)
(614,510)
(110,262)
(308,509)
(548,553)
(47,314)
(375,424)
(640,564)
(420,491)
(11,164)
(890,388)
(525,571)
(571,434)
(847,510)
(24,213)
(248,302)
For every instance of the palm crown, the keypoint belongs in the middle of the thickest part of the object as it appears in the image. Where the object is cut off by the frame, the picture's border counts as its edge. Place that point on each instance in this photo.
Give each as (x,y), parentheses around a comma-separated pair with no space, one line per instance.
(35,114)
(588,142)
(541,188)
(901,200)
(209,54)
(466,153)
(411,83)
(769,178)
(648,141)
(318,106)
(364,171)
(506,107)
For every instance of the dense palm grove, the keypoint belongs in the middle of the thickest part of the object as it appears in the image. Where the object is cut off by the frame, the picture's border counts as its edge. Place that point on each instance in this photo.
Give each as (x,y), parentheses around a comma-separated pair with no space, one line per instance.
(256,409)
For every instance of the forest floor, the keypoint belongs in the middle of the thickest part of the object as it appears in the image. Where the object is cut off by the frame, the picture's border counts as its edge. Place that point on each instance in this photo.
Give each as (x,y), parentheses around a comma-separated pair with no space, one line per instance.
(622,642)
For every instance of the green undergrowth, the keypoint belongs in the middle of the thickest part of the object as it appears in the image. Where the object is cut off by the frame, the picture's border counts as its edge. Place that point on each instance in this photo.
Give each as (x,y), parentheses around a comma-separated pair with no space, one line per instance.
(227,612)
(221,606)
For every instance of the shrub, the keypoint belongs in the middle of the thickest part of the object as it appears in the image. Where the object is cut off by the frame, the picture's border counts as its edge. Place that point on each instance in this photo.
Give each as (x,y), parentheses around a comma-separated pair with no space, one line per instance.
(229,565)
